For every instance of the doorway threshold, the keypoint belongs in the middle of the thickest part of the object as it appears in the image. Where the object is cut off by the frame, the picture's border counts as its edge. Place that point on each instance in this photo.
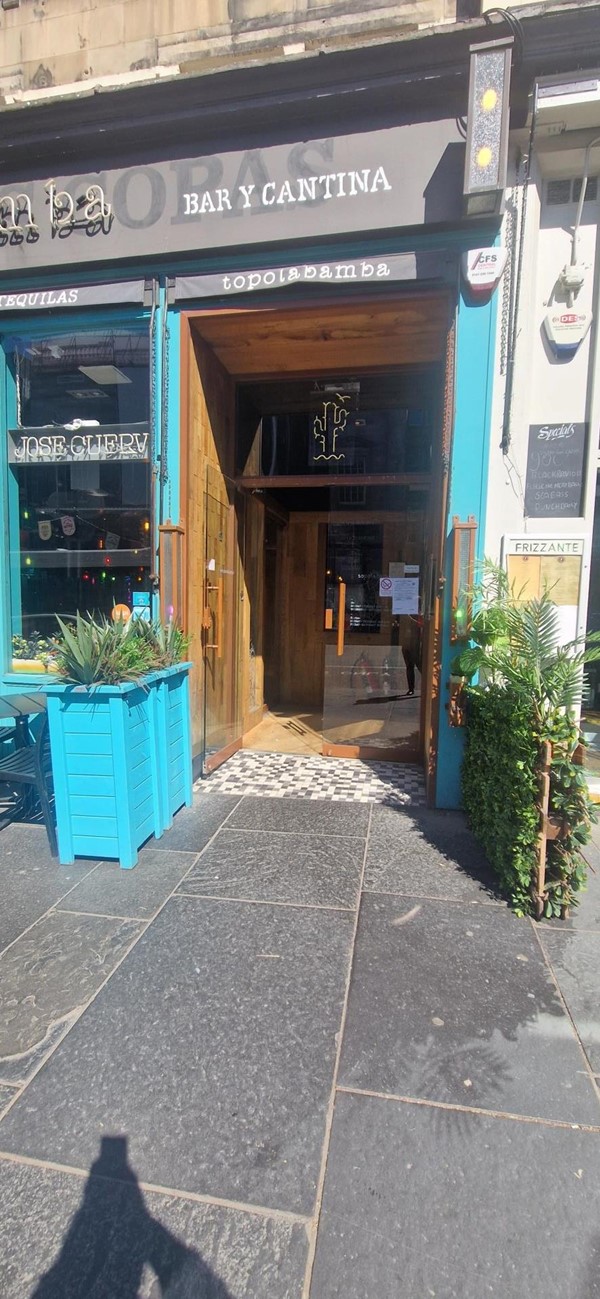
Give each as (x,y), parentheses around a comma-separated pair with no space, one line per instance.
(287,775)
(286,730)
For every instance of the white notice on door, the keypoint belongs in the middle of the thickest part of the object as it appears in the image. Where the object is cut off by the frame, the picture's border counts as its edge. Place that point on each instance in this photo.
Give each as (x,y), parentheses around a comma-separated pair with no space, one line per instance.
(406,595)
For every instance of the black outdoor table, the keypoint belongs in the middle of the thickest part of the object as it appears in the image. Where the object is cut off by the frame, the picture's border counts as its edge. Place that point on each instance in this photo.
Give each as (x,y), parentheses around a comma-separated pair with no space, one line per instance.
(20,707)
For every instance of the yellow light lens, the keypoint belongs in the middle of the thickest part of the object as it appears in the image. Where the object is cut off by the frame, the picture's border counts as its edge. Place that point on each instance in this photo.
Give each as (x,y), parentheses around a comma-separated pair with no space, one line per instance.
(484,156)
(489,99)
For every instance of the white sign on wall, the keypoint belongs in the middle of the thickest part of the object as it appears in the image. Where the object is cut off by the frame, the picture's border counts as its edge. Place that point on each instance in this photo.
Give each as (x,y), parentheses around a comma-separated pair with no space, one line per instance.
(483,268)
(566,329)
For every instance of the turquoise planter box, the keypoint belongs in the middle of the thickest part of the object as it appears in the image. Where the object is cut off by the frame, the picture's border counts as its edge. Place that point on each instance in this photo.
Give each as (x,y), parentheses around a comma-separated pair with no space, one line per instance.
(121,761)
(171,701)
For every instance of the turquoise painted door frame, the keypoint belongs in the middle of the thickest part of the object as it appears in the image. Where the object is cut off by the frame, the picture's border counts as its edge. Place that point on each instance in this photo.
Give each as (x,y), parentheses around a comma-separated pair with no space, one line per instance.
(38,325)
(475,356)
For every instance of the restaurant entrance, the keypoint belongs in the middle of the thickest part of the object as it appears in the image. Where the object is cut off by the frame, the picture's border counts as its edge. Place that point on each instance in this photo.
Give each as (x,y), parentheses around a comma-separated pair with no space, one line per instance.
(319,493)
(345,468)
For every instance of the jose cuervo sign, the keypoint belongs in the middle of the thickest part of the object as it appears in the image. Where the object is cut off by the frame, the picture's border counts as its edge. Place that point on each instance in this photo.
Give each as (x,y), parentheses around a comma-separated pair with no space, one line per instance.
(68,445)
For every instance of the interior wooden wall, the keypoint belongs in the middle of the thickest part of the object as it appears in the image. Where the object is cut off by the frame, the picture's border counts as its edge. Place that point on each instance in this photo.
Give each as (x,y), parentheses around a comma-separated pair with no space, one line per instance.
(300,599)
(301,592)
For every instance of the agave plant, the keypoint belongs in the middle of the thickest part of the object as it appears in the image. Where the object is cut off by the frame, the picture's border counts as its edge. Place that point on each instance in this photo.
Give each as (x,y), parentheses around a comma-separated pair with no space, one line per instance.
(98,652)
(166,642)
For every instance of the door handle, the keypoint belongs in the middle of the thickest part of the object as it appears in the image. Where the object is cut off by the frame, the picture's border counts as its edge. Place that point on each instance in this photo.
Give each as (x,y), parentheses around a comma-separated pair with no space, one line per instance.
(218,643)
(341,619)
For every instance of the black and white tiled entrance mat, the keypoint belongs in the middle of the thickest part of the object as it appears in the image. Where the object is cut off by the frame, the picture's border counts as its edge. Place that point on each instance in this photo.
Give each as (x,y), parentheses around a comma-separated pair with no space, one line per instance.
(278,775)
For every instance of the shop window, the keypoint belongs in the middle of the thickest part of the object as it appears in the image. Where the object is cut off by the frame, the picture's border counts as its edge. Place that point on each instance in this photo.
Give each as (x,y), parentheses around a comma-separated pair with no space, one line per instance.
(79,481)
(354,557)
(374,425)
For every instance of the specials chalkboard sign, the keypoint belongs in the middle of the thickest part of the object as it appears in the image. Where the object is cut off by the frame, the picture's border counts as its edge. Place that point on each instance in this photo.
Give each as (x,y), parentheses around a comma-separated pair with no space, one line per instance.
(555,463)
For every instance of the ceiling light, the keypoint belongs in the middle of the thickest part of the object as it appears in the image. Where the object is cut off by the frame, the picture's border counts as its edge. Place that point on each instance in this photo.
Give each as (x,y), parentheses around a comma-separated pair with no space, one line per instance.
(107,375)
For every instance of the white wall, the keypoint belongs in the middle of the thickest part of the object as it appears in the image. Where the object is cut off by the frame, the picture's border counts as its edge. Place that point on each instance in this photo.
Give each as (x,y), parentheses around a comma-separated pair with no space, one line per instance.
(545,388)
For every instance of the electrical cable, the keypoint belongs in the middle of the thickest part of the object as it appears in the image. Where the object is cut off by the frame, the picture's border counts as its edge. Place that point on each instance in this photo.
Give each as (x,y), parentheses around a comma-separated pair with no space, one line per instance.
(584,180)
(514,324)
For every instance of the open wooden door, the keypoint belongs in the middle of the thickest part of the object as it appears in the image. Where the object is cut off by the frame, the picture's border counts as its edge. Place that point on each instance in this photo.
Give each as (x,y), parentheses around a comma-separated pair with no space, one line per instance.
(220,623)
(214,537)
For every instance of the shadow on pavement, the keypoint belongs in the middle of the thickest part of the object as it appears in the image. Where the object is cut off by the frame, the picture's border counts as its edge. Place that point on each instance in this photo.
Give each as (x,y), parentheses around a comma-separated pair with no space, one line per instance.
(448,834)
(113,1237)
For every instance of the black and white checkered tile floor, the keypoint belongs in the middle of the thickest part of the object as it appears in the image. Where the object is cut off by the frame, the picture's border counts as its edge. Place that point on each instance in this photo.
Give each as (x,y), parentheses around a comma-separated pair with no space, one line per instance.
(278,775)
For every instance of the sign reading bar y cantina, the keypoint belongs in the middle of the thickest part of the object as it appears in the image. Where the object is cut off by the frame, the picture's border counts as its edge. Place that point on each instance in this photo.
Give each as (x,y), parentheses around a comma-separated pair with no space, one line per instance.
(68,445)
(371,180)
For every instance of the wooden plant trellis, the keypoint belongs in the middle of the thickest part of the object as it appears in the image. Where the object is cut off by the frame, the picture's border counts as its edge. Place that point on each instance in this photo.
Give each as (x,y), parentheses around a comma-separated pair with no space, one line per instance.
(551,828)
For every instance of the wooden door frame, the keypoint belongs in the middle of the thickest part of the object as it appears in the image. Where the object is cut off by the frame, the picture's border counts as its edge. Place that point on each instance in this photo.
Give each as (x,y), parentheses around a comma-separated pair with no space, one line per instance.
(430,718)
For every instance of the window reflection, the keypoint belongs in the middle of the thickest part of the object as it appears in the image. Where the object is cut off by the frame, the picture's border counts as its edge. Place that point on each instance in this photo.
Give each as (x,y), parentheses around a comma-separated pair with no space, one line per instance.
(86,376)
(354,556)
(79,505)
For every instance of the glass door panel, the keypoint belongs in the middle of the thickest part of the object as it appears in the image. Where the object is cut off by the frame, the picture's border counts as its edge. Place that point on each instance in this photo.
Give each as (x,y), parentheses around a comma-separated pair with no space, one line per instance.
(373,649)
(222,726)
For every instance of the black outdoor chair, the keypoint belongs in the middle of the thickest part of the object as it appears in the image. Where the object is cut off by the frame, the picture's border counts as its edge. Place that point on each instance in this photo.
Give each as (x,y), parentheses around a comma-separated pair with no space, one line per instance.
(31,766)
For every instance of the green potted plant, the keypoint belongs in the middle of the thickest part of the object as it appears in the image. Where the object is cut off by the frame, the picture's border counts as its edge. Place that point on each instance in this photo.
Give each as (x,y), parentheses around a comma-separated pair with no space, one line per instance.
(524,789)
(34,653)
(119,736)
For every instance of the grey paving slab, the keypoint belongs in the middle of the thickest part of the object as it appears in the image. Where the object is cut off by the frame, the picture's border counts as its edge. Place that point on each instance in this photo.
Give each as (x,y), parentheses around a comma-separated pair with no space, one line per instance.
(194,826)
(314,870)
(575,959)
(586,915)
(421,1202)
(212,1047)
(46,978)
(426,854)
(456,1005)
(31,881)
(292,816)
(111,891)
(65,1237)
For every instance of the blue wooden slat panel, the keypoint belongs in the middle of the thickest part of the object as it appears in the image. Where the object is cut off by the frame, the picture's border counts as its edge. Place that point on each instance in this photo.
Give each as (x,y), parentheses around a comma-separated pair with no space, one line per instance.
(95,846)
(90,744)
(82,804)
(81,724)
(91,787)
(142,781)
(81,764)
(93,827)
(143,820)
(141,748)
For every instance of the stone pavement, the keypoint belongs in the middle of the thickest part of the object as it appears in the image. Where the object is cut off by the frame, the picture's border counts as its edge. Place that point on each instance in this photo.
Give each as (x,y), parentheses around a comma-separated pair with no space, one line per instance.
(301,1049)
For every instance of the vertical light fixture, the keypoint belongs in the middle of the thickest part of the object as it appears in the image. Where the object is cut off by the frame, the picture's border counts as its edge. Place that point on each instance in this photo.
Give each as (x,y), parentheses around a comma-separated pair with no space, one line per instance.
(487,128)
(463,571)
(170,559)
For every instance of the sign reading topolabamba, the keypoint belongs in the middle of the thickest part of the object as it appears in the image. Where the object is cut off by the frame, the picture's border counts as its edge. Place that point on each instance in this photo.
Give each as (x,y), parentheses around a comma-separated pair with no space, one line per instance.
(338,185)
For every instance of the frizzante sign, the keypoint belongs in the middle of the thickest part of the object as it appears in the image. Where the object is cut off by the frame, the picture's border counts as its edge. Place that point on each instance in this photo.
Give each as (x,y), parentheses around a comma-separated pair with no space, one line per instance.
(370,180)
